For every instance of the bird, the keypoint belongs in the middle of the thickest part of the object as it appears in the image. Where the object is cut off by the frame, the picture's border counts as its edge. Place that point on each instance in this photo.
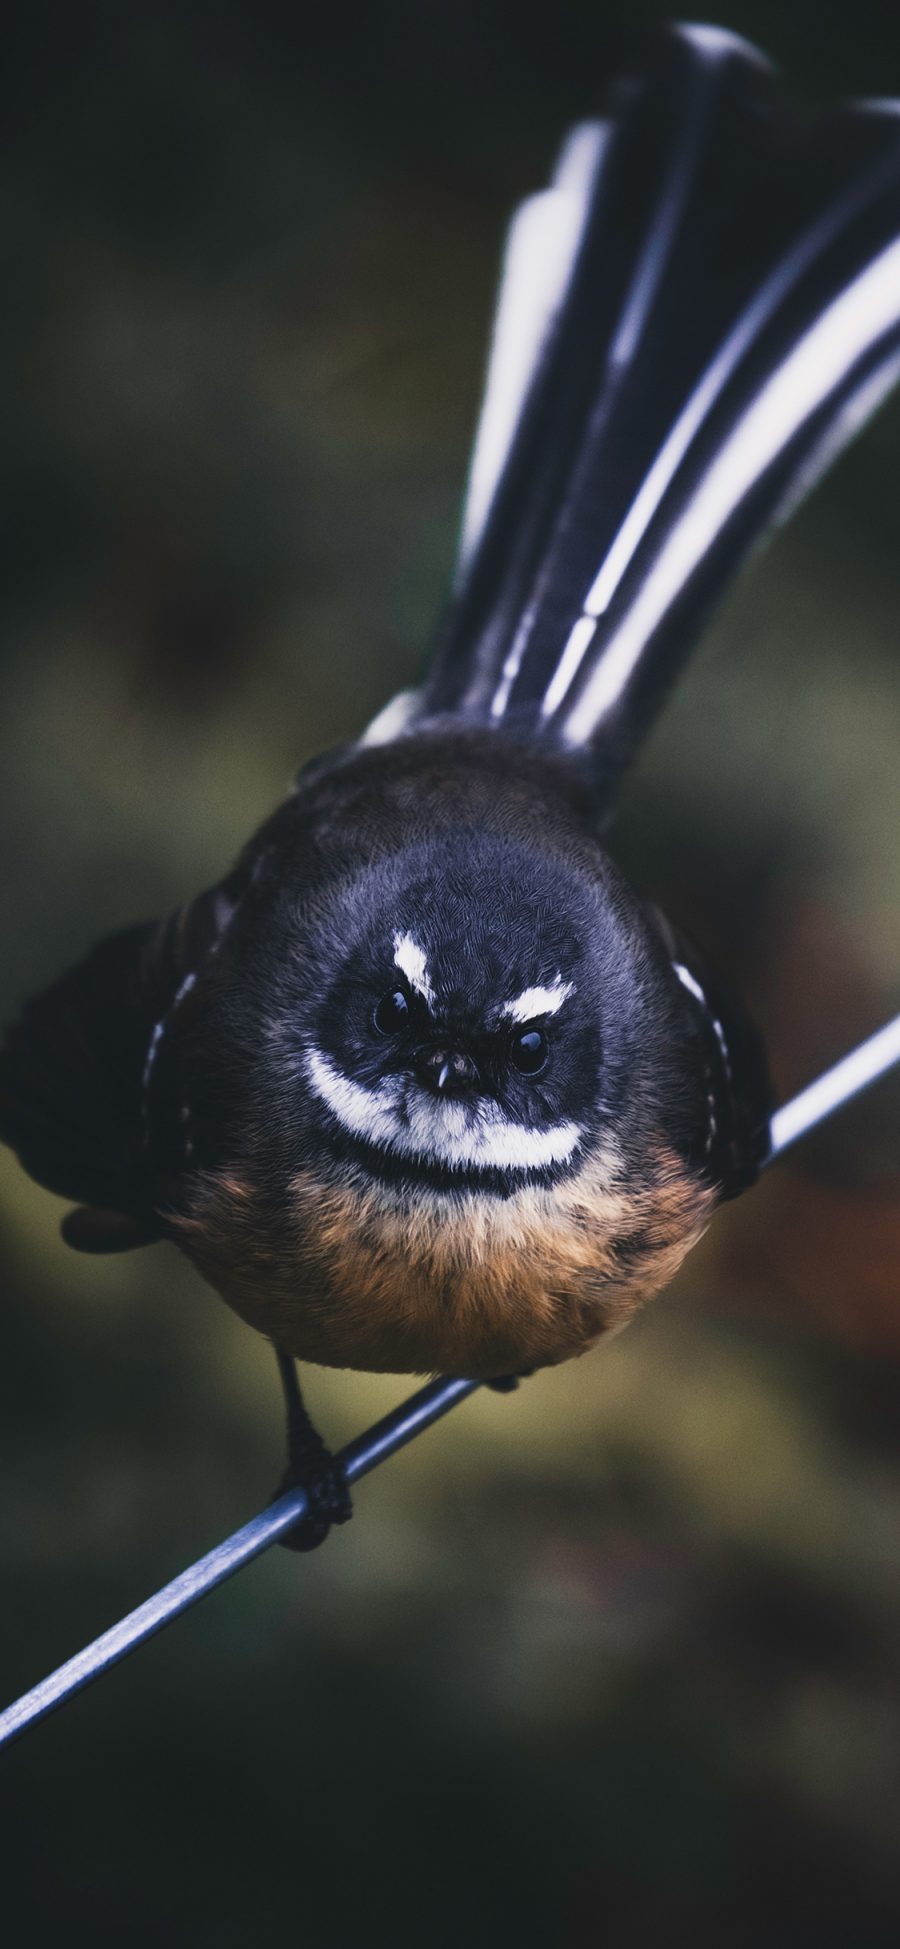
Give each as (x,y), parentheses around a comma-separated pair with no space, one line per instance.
(422,1084)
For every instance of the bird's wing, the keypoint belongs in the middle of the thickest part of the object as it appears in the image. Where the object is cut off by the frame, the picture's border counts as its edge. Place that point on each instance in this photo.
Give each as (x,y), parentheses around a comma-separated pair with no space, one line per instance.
(77,1071)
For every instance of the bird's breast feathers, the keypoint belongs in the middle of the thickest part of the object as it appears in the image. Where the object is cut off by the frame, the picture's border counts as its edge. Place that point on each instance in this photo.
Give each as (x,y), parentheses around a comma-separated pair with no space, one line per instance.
(352,1273)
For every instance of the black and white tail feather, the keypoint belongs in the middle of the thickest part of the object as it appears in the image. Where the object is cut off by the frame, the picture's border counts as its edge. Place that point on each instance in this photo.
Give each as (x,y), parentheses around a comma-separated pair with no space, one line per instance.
(693,319)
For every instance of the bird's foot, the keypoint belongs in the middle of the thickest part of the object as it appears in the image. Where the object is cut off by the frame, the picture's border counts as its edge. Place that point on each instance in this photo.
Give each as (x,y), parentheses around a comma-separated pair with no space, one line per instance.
(311,1466)
(328,1498)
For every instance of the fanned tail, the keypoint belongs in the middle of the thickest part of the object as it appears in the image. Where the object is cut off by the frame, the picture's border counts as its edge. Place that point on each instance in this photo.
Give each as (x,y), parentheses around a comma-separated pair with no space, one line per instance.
(693,320)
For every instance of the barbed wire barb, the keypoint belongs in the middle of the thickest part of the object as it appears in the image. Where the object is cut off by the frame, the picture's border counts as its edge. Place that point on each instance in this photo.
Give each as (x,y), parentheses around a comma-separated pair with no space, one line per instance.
(856,1071)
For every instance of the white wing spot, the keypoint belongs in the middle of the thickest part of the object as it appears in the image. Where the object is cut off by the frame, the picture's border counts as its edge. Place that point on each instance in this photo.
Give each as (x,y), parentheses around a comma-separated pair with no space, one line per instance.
(687,981)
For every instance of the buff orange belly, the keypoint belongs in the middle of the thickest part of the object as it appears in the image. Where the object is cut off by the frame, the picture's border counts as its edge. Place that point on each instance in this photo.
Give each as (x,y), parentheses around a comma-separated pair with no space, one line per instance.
(367,1276)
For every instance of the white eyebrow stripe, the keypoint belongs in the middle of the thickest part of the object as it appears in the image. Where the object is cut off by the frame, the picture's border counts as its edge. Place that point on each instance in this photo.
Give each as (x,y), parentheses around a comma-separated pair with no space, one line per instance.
(437,1133)
(409,957)
(539,1001)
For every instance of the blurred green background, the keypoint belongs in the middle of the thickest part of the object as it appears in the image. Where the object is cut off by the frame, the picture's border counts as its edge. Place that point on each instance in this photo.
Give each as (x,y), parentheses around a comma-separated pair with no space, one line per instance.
(613,1661)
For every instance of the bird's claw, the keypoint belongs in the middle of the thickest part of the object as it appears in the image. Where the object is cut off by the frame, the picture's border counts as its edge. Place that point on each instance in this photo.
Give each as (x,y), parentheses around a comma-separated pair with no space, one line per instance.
(328,1501)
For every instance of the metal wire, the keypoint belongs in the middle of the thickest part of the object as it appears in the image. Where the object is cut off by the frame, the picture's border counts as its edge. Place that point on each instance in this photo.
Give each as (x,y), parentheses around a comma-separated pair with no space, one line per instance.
(837,1086)
(863,1066)
(365,1453)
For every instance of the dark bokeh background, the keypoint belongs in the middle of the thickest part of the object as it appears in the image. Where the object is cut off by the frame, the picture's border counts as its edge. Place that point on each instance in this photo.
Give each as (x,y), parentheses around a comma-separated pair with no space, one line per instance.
(614,1661)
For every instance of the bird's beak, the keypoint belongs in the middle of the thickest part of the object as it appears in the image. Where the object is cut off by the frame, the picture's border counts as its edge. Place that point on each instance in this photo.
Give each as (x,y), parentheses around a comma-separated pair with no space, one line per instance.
(447,1070)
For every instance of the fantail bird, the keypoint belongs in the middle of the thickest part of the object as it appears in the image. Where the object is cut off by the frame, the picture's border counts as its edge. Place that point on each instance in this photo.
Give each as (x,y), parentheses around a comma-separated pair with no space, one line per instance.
(422,1084)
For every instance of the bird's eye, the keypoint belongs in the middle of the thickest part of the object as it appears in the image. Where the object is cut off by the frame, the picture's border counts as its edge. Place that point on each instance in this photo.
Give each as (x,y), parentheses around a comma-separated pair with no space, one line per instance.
(392,1012)
(529,1050)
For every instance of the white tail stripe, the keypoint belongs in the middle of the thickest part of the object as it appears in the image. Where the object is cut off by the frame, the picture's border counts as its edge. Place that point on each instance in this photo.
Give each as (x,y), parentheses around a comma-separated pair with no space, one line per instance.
(854,415)
(639,298)
(816,366)
(721,42)
(393,719)
(579,641)
(654,256)
(638,304)
(542,245)
(511,665)
(728,357)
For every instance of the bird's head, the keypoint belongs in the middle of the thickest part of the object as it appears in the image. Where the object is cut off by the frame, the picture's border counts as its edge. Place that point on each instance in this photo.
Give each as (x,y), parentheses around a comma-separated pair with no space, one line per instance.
(465,1011)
